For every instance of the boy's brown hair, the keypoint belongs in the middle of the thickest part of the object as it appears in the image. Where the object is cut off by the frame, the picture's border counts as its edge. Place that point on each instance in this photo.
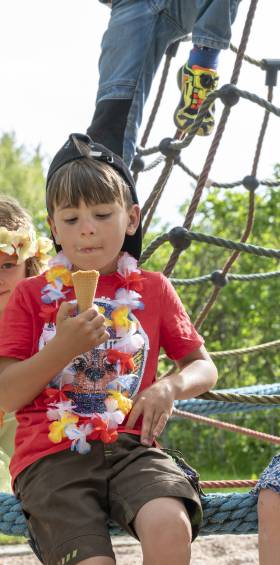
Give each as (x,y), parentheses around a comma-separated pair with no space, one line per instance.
(84,169)
(89,180)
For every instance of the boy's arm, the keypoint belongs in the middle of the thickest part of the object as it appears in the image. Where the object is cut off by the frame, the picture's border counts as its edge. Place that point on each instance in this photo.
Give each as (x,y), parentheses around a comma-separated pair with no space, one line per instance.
(197,374)
(22,381)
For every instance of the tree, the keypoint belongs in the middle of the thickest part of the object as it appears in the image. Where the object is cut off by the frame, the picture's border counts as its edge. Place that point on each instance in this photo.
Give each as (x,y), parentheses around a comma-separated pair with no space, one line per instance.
(22,176)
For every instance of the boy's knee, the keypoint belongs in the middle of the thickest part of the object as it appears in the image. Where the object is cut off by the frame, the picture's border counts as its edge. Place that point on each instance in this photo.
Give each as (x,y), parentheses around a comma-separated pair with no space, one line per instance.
(164,519)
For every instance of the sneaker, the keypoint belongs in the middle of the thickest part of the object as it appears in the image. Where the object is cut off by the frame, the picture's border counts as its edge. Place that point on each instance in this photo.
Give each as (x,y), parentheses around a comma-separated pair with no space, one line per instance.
(195,84)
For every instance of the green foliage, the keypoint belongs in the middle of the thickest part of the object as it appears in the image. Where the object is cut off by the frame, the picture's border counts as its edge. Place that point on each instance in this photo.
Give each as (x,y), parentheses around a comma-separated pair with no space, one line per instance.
(244,314)
(22,176)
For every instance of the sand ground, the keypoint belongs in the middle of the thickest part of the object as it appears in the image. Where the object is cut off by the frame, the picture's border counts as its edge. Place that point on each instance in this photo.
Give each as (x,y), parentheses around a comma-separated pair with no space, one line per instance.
(210,550)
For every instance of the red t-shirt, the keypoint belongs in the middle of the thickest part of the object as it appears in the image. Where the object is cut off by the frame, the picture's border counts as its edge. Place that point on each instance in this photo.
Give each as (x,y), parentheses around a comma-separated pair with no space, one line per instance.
(162,323)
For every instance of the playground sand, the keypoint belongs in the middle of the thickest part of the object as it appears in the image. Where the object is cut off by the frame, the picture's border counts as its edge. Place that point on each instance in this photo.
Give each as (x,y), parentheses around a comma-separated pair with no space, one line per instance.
(210,550)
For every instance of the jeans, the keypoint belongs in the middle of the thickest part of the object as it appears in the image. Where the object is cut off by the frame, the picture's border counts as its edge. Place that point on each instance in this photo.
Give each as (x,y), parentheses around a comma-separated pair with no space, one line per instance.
(133,45)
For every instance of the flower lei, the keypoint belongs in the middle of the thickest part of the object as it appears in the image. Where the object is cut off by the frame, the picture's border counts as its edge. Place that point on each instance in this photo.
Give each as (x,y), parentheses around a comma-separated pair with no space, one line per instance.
(24,243)
(102,426)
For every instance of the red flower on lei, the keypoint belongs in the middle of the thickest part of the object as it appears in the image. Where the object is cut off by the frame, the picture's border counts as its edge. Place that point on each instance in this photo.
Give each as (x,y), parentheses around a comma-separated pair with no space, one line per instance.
(101,431)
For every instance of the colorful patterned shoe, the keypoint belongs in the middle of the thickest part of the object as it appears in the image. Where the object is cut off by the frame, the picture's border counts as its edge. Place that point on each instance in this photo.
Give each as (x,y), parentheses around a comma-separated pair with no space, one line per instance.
(195,84)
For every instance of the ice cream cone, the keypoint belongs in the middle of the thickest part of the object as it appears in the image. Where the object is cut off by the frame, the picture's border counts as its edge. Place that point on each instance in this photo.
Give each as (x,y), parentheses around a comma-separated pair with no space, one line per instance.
(85,283)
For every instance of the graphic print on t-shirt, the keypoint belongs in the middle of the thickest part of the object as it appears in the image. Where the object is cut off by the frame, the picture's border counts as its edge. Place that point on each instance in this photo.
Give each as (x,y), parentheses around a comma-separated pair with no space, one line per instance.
(92,374)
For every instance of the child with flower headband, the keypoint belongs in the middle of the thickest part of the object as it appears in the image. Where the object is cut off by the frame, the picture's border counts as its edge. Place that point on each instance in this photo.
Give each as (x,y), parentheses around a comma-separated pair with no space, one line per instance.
(84,384)
(22,255)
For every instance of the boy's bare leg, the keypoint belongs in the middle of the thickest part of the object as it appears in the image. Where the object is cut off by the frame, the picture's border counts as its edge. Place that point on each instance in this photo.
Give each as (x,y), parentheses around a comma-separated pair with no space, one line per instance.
(269,520)
(164,530)
(98,561)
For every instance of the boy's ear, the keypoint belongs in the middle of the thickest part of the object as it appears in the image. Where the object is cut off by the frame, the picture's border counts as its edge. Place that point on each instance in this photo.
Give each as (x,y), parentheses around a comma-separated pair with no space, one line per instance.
(53,229)
(134,217)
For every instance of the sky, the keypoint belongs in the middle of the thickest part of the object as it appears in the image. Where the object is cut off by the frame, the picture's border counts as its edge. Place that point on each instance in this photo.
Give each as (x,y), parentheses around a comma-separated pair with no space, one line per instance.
(49,53)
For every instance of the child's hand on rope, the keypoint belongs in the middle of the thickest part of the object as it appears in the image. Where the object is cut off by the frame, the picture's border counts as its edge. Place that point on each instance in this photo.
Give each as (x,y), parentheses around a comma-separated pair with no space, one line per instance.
(155,405)
(82,332)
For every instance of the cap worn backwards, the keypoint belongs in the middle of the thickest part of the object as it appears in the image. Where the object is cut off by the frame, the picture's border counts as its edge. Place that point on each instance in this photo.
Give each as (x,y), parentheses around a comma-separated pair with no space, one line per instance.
(69,152)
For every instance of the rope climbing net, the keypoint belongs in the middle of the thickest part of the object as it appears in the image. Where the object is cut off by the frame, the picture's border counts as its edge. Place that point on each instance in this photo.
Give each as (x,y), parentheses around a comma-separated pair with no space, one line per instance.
(223,513)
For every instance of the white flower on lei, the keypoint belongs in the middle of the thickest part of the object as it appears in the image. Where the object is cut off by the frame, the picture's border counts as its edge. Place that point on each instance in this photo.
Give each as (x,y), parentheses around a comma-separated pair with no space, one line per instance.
(58,409)
(78,436)
(60,259)
(128,298)
(113,416)
(131,343)
(127,264)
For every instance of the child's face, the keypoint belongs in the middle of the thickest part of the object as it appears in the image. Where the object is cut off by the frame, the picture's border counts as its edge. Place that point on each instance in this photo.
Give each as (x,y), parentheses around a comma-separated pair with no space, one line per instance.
(92,236)
(10,275)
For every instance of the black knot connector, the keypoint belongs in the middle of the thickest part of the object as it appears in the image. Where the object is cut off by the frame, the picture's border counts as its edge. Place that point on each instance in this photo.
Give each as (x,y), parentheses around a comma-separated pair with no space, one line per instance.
(177,238)
(166,149)
(138,164)
(229,95)
(219,279)
(271,66)
(250,182)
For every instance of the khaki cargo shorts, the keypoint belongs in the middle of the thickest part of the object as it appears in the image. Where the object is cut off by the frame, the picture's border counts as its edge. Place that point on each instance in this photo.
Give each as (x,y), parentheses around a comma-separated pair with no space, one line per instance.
(68,498)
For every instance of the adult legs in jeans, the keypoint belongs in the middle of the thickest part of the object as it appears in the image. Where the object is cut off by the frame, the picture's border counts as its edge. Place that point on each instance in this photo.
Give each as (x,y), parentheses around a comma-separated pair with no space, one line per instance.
(132,48)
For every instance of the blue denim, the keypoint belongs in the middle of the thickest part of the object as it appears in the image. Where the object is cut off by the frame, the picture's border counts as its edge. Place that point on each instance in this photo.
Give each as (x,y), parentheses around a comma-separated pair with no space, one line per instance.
(137,37)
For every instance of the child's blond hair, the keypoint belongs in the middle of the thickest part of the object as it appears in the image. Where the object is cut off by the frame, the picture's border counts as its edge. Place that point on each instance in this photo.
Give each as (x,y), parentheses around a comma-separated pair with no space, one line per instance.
(12,217)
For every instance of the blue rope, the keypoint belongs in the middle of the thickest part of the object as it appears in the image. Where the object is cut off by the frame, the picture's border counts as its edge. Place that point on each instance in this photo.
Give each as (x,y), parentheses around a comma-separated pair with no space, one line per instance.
(200,406)
(223,514)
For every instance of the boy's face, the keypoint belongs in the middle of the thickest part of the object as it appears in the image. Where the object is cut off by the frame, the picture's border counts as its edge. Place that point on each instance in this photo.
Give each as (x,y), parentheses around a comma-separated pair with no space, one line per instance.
(10,275)
(92,236)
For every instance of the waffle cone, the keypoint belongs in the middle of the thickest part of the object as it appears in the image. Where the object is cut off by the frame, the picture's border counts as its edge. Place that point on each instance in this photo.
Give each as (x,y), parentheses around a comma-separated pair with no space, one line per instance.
(85,283)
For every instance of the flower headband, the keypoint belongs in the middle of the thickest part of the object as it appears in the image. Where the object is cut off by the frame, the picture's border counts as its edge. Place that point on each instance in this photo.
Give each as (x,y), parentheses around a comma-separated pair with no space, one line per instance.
(24,243)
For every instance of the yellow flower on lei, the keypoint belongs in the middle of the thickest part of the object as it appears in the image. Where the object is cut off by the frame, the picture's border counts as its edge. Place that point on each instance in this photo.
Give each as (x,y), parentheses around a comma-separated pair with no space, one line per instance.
(107,322)
(124,403)
(120,318)
(44,245)
(57,429)
(59,271)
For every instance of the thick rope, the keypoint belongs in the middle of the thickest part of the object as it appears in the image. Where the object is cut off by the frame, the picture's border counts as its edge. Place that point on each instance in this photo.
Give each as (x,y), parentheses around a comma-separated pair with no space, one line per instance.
(251,60)
(223,513)
(228,484)
(223,185)
(204,107)
(230,277)
(218,241)
(246,350)
(250,220)
(226,426)
(229,263)
(159,186)
(202,406)
(243,398)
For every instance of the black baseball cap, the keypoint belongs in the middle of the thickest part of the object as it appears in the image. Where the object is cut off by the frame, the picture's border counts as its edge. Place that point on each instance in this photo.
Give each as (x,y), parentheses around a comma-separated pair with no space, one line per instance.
(69,152)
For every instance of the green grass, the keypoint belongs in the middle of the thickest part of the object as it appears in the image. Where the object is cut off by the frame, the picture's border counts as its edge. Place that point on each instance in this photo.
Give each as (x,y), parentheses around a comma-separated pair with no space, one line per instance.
(11,540)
